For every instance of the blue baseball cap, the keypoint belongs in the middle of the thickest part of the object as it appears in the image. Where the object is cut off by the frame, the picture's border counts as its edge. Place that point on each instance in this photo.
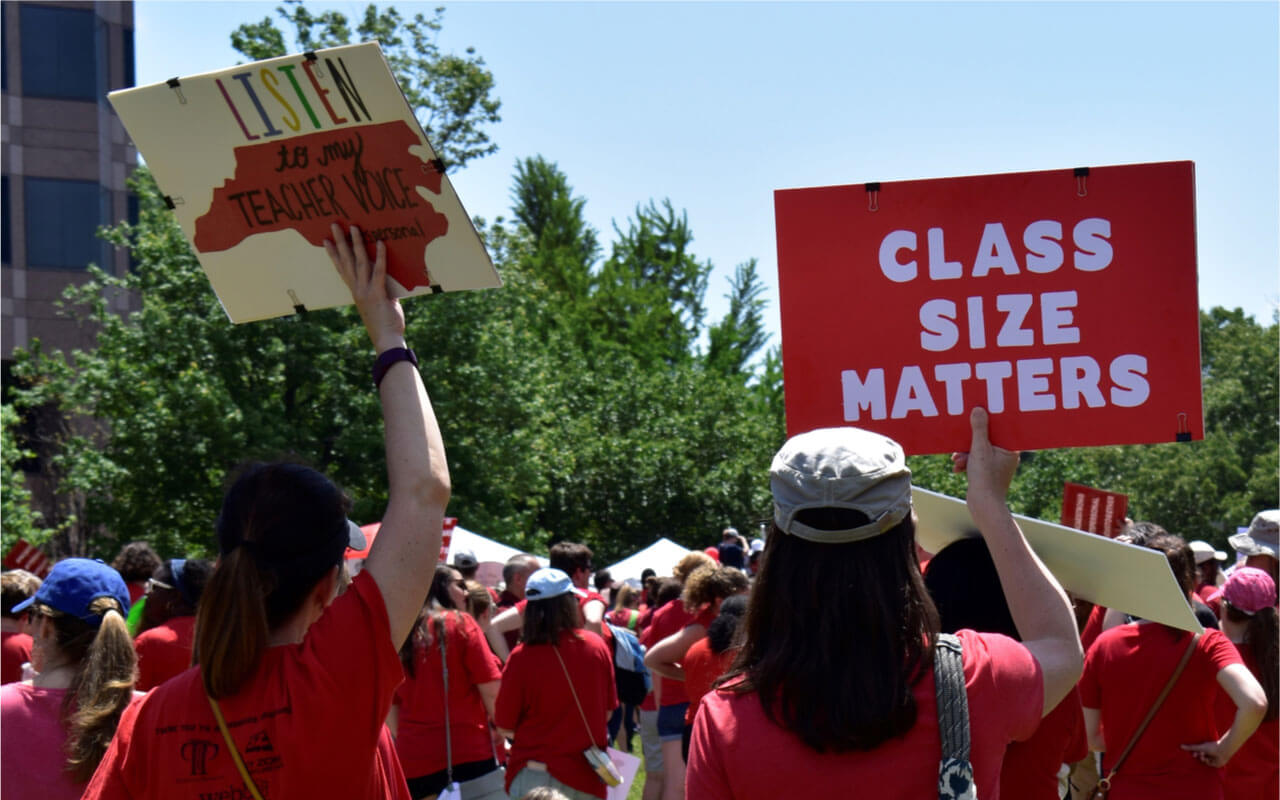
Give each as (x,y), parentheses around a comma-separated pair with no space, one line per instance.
(549,582)
(74,583)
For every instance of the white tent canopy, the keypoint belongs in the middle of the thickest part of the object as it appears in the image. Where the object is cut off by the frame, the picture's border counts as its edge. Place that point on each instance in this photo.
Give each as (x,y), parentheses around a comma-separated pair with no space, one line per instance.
(491,555)
(660,556)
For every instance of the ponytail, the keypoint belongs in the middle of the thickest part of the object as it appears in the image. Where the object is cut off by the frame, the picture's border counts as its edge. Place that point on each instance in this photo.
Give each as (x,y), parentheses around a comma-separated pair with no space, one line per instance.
(1262,636)
(103,688)
(231,623)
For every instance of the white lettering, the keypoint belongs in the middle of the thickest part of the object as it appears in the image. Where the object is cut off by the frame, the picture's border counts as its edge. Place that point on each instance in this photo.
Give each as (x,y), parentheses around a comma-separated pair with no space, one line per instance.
(863,396)
(994,252)
(1012,334)
(1033,386)
(1129,374)
(913,395)
(939,267)
(994,373)
(1043,242)
(977,331)
(890,246)
(940,333)
(1056,318)
(1080,376)
(1093,250)
(953,377)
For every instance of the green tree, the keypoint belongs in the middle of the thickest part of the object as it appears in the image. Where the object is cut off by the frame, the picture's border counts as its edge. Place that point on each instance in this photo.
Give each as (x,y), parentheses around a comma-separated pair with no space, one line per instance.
(21,521)
(735,340)
(450,94)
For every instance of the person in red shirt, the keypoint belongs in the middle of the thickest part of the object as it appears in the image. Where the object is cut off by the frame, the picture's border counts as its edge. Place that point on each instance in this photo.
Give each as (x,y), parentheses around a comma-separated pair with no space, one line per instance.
(709,658)
(574,560)
(1248,602)
(474,673)
(965,588)
(1180,752)
(557,693)
(169,620)
(57,725)
(835,689)
(665,591)
(704,591)
(293,685)
(15,646)
(136,562)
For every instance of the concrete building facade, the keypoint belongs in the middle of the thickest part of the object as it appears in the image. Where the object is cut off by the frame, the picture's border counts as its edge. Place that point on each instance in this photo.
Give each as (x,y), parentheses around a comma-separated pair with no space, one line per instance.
(66,158)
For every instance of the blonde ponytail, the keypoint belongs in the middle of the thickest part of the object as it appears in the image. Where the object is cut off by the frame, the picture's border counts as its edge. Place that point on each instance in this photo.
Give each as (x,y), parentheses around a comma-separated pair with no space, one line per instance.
(103,688)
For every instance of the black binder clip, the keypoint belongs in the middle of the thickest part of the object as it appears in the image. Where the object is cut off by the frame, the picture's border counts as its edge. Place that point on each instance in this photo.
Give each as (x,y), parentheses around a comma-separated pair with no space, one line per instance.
(1082,181)
(310,55)
(1184,432)
(176,86)
(873,196)
(298,307)
(437,289)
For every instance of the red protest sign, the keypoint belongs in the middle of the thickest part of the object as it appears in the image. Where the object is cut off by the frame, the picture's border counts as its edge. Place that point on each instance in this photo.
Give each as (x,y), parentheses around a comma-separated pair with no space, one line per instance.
(1093,510)
(1064,303)
(24,555)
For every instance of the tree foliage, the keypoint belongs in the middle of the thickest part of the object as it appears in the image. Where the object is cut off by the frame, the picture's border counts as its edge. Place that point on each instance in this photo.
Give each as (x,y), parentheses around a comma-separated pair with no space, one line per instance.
(450,94)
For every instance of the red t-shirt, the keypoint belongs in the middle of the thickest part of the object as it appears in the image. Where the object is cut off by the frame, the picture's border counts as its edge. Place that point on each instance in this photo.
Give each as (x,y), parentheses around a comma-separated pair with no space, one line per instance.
(33,758)
(307,722)
(737,752)
(671,618)
(420,735)
(15,650)
(1124,672)
(1031,768)
(164,651)
(1092,627)
(701,669)
(1254,771)
(536,702)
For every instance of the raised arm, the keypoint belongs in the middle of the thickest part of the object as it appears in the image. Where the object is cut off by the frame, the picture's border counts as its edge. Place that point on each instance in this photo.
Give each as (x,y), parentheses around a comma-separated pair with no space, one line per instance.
(403,557)
(1039,607)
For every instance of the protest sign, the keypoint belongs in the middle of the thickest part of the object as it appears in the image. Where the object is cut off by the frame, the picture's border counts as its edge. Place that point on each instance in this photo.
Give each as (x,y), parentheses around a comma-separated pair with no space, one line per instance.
(1093,510)
(24,555)
(257,161)
(1105,572)
(1064,302)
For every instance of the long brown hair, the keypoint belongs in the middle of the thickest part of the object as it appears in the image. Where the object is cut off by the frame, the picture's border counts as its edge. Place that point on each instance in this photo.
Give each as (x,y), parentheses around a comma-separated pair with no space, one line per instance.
(438,604)
(106,670)
(546,620)
(836,635)
(1262,634)
(282,528)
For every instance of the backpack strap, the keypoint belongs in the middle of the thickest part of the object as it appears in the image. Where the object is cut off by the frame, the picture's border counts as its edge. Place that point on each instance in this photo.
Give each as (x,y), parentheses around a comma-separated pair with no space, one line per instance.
(955,772)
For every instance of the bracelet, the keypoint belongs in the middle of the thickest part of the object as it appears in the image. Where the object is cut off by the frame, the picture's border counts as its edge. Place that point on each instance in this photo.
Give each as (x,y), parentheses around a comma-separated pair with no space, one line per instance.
(388,358)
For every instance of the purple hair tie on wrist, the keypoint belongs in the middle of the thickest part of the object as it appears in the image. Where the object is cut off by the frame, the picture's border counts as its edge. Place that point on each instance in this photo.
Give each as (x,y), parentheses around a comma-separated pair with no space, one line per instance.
(388,358)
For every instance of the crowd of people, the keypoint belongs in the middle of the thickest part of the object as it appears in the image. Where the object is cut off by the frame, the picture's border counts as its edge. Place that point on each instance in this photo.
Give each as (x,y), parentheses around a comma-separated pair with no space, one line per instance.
(828,657)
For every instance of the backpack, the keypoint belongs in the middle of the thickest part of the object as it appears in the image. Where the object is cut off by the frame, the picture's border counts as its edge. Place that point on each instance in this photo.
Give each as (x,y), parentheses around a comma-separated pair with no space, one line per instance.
(630,675)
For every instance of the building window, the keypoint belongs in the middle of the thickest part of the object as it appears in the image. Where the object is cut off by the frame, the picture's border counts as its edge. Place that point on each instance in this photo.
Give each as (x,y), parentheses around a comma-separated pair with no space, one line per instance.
(129,76)
(59,52)
(62,223)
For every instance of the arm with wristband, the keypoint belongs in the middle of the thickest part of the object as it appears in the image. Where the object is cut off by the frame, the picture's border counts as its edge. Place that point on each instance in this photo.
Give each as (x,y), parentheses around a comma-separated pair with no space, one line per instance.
(402,559)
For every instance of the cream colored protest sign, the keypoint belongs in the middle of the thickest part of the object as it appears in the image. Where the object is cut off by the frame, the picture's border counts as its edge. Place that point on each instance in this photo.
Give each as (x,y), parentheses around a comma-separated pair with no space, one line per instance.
(1122,576)
(258,160)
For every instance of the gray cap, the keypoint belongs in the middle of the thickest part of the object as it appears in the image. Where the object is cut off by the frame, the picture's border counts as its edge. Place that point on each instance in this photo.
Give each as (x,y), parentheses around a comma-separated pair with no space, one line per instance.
(840,468)
(1263,536)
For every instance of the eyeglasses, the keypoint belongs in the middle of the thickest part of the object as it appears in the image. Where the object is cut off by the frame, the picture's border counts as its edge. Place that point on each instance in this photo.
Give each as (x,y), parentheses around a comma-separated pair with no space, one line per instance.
(152,583)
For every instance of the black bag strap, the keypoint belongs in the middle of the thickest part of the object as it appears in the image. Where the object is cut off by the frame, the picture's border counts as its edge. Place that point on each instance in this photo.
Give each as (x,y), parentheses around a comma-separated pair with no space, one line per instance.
(1105,783)
(955,772)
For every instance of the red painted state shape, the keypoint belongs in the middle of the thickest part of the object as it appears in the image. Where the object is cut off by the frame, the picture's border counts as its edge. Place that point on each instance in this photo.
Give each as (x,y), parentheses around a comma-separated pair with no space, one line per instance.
(362,175)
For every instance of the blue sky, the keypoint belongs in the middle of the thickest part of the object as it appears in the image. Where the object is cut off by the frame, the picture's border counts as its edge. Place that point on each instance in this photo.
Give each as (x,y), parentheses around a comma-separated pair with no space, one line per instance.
(715,105)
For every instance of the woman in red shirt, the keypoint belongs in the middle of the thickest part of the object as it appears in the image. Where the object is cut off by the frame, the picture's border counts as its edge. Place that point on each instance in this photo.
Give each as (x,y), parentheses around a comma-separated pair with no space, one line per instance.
(557,693)
(709,658)
(418,716)
(293,685)
(1248,602)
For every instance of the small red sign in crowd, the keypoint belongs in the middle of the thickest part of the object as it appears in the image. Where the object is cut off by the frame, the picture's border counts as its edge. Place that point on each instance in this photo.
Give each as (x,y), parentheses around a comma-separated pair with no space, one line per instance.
(1064,302)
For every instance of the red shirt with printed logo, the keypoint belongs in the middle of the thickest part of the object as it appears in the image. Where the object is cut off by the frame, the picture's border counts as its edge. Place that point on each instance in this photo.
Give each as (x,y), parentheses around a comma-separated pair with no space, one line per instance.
(308,722)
